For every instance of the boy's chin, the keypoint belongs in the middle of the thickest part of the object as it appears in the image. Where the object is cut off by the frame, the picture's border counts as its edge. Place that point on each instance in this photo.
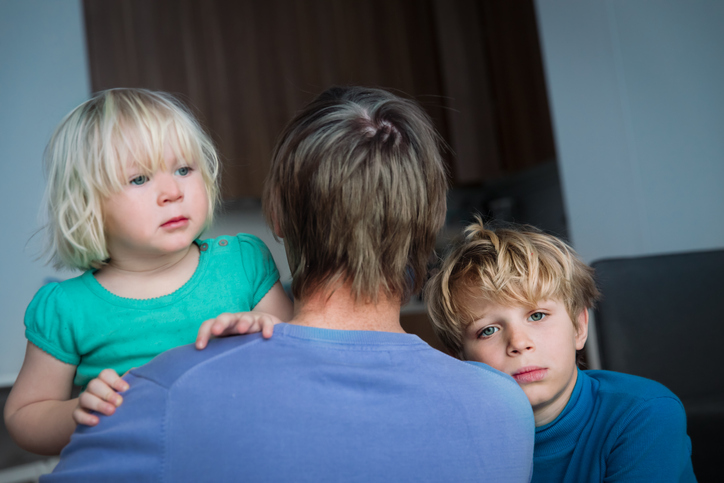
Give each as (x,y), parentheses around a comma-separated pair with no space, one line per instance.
(538,399)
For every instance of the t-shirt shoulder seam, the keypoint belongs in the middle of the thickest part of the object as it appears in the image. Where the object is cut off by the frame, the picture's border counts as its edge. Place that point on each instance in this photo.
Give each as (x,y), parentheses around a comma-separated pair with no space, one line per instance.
(247,236)
(169,385)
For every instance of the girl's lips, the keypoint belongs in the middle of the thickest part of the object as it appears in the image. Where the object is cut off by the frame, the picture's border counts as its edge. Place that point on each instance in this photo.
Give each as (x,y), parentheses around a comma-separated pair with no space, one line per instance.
(530,374)
(176,222)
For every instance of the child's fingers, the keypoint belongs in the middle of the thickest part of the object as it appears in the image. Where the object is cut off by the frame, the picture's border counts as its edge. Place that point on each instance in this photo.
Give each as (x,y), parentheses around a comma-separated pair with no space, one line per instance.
(222,323)
(208,329)
(244,323)
(214,328)
(267,328)
(236,323)
(89,402)
(257,322)
(111,377)
(204,334)
(85,418)
(102,390)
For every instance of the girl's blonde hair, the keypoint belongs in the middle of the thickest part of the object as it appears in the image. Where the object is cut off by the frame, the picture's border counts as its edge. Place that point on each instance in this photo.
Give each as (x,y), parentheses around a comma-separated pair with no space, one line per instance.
(89,154)
(514,266)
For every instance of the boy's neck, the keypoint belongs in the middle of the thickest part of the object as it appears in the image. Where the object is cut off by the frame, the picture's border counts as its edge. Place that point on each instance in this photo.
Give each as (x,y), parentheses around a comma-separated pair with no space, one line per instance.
(150,277)
(547,414)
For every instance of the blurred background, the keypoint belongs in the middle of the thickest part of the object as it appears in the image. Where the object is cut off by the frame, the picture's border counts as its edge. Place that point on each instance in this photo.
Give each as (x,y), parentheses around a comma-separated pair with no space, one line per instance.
(601,122)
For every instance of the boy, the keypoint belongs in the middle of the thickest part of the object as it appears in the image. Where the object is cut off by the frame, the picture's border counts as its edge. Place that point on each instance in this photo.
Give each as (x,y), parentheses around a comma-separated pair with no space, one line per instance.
(518,299)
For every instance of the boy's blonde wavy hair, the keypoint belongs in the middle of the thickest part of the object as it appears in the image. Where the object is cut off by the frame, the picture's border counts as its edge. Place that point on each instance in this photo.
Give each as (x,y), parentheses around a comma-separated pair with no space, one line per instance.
(88,156)
(513,266)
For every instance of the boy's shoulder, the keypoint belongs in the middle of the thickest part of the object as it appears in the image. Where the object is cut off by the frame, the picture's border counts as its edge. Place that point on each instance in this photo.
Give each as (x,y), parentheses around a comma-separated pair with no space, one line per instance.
(625,397)
(628,386)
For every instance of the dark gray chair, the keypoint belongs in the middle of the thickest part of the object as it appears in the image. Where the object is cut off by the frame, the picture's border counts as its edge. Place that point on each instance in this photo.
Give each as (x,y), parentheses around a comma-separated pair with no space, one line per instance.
(662,317)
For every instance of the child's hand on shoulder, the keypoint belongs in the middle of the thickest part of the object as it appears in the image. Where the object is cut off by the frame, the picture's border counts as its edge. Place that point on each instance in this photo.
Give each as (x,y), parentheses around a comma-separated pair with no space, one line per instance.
(100,395)
(237,323)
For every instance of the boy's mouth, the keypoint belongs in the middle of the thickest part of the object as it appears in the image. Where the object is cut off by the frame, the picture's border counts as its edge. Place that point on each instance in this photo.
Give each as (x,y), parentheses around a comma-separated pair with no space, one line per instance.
(529,374)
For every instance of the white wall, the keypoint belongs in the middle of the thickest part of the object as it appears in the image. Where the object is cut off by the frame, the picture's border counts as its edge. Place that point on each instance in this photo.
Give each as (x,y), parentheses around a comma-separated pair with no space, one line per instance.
(43,75)
(636,90)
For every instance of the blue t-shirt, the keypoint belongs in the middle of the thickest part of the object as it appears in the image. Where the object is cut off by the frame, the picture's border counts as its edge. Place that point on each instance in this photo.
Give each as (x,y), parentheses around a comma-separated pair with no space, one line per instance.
(309,405)
(615,427)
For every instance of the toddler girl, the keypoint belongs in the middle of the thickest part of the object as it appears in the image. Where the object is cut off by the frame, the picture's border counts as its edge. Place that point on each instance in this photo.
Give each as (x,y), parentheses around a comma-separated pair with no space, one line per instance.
(132,183)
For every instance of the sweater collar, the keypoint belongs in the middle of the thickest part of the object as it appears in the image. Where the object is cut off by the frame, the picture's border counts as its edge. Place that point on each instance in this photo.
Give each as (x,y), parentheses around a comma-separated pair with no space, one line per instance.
(563,432)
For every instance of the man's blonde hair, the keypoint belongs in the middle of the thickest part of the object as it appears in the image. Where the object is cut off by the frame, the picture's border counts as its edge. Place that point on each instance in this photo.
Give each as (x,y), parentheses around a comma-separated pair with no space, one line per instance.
(87,159)
(513,266)
(357,189)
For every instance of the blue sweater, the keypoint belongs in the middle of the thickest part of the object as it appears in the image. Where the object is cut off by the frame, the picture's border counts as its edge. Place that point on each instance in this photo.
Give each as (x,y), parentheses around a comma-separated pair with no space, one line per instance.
(615,427)
(309,405)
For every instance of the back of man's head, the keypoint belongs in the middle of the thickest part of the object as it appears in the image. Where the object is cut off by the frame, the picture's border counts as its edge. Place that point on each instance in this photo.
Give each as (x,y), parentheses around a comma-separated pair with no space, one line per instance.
(357,189)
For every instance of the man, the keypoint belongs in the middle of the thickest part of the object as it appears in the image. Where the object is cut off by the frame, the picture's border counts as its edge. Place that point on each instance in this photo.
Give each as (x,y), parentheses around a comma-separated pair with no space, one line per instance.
(340,393)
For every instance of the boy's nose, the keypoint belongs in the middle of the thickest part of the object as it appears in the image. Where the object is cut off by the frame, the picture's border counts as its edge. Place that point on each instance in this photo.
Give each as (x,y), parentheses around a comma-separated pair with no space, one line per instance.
(519,342)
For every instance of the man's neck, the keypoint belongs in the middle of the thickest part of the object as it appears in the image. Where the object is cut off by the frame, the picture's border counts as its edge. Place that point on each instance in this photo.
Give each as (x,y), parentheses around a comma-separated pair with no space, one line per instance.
(337,309)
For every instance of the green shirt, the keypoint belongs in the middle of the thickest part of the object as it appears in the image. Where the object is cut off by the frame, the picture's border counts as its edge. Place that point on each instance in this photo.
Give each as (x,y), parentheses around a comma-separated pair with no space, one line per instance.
(79,322)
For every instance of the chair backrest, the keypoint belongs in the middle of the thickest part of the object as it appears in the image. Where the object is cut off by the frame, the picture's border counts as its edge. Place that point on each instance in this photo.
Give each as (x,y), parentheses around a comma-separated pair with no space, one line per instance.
(662,317)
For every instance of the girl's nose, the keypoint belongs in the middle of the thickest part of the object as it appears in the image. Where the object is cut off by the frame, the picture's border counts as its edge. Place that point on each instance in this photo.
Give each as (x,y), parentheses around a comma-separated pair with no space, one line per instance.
(169,189)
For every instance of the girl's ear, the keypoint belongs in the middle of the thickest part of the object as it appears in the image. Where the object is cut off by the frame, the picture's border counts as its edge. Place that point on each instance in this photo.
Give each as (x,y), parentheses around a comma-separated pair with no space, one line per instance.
(582,329)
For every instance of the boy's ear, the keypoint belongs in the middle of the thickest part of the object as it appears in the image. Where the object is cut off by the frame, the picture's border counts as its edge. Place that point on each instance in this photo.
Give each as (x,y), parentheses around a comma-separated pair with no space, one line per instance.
(582,330)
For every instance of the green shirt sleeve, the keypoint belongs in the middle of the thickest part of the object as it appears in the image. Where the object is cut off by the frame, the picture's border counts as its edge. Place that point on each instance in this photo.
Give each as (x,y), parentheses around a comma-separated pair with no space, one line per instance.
(259,267)
(47,324)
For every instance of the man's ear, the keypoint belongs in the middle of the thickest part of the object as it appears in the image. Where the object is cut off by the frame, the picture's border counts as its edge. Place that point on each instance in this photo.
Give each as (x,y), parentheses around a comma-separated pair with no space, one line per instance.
(276,228)
(582,329)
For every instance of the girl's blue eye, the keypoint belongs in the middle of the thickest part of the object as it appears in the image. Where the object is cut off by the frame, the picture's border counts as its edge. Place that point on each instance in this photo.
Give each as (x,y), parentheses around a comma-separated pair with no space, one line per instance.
(139,180)
(537,317)
(488,331)
(183,171)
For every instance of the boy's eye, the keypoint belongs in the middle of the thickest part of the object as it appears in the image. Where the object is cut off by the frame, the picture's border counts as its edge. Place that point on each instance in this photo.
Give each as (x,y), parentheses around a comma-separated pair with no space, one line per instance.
(537,317)
(139,180)
(183,171)
(488,331)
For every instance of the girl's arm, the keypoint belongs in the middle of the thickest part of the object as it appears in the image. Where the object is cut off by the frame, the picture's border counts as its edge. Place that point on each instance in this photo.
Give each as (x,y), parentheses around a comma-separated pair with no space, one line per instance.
(38,411)
(273,308)
(39,414)
(276,303)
